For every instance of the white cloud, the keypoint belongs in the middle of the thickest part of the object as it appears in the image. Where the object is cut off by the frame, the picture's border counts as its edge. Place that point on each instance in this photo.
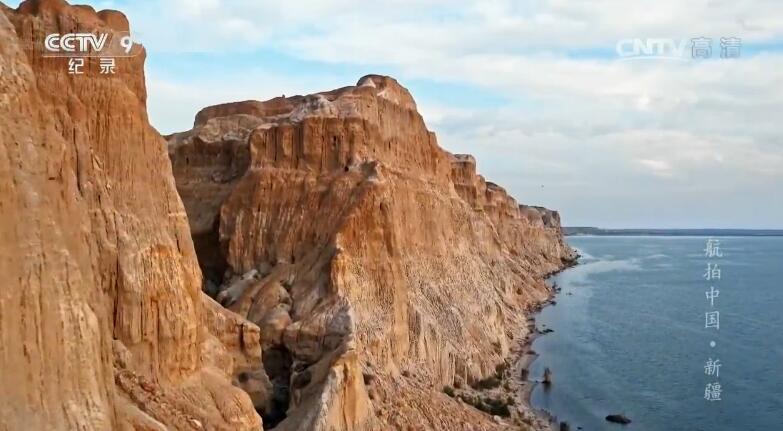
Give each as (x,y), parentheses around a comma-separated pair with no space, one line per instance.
(658,167)
(355,27)
(698,138)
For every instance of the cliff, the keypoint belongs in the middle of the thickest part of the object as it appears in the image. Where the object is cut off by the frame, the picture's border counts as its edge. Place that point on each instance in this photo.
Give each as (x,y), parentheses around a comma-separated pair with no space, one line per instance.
(376,267)
(103,323)
(379,267)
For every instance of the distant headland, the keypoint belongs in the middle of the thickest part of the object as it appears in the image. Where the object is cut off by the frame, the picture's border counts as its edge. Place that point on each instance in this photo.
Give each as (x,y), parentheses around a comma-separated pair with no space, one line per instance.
(582,230)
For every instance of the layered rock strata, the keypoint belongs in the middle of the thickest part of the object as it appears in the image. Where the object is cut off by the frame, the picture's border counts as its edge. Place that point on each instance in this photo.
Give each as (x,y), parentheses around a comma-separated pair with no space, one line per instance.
(103,323)
(379,267)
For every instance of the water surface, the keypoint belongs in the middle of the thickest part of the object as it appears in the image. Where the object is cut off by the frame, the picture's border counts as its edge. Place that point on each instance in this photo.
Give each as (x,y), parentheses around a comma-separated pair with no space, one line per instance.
(630,336)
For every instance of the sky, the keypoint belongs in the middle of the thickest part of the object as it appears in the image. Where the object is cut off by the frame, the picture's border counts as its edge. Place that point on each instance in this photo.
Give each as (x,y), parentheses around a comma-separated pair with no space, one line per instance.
(538,91)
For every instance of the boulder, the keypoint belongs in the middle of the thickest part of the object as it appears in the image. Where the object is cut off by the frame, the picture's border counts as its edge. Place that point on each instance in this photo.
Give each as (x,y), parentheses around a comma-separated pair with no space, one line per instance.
(618,419)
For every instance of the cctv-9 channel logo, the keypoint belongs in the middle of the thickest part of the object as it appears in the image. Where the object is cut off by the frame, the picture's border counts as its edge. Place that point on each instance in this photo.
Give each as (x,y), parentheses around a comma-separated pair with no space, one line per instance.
(114,44)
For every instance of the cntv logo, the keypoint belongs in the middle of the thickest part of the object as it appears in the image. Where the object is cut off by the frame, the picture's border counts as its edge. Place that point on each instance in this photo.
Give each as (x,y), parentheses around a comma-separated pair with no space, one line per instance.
(87,45)
(654,48)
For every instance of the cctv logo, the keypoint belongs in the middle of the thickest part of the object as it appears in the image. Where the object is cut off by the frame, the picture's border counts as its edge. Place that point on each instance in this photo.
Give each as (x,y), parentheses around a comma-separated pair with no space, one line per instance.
(75,42)
(668,49)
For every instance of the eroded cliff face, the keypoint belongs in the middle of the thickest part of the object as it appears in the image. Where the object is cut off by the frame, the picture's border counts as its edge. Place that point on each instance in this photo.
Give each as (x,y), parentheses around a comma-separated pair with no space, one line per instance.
(378,266)
(103,325)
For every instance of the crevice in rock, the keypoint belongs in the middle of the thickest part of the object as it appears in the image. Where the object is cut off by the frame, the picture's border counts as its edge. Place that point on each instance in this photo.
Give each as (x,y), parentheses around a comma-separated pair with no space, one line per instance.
(277,364)
(210,258)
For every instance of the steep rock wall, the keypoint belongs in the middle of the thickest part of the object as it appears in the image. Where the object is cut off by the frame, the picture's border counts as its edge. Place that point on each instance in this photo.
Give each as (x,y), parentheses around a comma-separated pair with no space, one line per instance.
(103,325)
(380,265)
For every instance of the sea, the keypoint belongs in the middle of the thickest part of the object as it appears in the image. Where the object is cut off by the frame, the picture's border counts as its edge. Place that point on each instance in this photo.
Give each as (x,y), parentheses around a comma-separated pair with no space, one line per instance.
(636,333)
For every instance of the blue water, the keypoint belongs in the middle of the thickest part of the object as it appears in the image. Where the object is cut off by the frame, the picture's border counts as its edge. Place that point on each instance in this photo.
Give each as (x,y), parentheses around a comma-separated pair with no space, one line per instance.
(630,336)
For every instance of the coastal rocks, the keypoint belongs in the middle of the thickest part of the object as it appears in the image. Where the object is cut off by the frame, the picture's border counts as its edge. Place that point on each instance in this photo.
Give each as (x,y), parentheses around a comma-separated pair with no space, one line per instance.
(374,249)
(102,321)
(547,380)
(618,419)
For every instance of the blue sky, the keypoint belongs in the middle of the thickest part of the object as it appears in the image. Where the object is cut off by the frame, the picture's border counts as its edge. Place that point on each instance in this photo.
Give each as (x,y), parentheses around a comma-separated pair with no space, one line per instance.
(534,89)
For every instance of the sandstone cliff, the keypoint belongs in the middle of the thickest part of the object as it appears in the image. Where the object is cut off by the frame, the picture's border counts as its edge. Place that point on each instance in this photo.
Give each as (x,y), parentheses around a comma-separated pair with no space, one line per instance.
(103,325)
(378,266)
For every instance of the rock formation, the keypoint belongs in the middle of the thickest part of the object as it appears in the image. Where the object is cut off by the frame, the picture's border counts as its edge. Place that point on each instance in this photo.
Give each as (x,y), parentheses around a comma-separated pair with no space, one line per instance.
(378,266)
(103,325)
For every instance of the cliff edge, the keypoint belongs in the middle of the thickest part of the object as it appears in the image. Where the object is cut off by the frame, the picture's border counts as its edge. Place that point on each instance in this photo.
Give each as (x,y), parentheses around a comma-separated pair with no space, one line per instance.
(379,267)
(103,324)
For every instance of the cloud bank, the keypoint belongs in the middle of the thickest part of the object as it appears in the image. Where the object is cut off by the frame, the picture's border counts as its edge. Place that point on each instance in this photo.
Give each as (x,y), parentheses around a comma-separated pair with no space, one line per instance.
(534,89)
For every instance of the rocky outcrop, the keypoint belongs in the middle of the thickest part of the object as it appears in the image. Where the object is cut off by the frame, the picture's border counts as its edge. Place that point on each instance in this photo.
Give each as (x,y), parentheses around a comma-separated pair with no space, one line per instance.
(379,266)
(375,266)
(103,325)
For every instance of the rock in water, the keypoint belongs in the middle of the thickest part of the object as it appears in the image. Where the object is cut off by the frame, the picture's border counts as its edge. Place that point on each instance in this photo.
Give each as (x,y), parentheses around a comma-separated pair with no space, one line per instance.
(618,419)
(547,376)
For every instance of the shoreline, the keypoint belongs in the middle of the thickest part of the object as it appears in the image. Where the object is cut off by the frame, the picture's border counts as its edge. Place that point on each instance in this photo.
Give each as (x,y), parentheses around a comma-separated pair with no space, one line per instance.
(512,387)
(523,357)
(524,360)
